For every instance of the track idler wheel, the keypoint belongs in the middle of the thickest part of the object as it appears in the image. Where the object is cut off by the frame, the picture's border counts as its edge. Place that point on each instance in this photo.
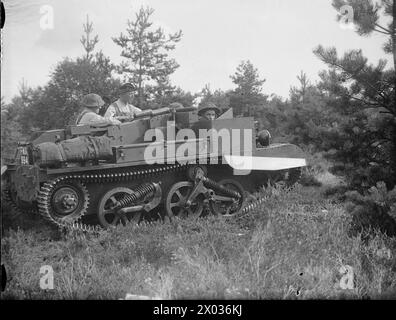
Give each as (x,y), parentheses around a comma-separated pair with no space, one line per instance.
(176,203)
(230,206)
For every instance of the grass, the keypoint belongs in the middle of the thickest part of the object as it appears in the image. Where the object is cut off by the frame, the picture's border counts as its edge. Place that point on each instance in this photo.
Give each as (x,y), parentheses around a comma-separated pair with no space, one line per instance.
(316,173)
(291,247)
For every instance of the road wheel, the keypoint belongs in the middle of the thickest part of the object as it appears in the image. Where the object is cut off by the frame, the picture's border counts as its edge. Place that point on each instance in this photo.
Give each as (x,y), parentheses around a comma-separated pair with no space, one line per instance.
(176,198)
(228,208)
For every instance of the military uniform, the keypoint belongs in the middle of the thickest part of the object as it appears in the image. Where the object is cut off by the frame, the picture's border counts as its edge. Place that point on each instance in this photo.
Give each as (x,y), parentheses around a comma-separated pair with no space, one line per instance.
(90,102)
(121,108)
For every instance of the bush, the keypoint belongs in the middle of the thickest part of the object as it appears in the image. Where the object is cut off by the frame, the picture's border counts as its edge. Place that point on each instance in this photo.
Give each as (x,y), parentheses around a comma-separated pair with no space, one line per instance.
(308,178)
(337,191)
(373,210)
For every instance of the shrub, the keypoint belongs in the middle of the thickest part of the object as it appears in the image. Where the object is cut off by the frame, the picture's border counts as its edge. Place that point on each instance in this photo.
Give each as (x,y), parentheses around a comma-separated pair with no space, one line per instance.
(373,210)
(308,178)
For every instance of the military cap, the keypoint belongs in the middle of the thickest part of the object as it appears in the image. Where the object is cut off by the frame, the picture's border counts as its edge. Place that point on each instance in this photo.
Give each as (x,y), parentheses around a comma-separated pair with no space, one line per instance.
(126,87)
(208,106)
(92,100)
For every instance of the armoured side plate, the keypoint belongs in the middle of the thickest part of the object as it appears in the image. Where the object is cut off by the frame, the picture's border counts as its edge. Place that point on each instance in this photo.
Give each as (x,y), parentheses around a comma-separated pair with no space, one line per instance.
(26,182)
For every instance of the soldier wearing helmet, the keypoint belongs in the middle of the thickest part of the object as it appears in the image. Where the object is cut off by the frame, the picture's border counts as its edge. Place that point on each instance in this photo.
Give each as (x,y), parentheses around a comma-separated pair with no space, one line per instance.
(91,104)
(122,109)
(208,111)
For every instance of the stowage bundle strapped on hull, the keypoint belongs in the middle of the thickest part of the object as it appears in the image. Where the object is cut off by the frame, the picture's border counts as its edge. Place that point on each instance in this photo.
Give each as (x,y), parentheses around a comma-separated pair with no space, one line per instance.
(83,148)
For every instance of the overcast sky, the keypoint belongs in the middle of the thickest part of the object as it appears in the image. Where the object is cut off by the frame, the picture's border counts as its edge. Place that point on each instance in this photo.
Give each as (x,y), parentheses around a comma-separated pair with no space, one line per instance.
(278,36)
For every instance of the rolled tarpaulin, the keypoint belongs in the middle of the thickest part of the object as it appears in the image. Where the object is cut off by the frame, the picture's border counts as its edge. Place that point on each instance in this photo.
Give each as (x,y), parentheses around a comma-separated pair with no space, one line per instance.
(80,149)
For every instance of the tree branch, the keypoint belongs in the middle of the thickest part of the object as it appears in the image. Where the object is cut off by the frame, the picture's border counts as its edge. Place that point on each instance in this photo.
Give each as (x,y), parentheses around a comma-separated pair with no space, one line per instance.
(385,29)
(354,77)
(371,104)
(381,31)
(363,101)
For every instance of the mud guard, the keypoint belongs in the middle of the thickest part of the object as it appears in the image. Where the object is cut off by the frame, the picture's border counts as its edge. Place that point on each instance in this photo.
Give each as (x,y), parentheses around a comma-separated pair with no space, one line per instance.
(272,158)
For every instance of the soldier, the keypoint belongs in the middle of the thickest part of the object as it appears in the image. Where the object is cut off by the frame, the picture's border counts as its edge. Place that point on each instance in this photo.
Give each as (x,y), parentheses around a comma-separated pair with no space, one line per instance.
(91,104)
(208,111)
(122,109)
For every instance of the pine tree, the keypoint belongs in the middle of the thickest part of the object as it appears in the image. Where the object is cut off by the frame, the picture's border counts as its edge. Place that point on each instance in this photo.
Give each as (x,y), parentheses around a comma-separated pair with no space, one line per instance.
(367,137)
(298,94)
(366,17)
(147,56)
(88,43)
(247,94)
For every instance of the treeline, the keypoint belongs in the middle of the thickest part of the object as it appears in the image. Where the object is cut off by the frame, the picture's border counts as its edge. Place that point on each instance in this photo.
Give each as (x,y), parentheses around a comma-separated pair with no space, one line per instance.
(349,115)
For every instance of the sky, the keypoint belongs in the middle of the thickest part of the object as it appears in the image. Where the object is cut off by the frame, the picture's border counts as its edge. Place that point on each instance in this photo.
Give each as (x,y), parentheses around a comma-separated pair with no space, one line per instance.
(277,36)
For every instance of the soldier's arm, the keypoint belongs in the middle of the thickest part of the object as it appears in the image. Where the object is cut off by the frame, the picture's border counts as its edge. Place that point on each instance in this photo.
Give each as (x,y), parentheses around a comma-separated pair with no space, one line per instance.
(111,115)
(134,110)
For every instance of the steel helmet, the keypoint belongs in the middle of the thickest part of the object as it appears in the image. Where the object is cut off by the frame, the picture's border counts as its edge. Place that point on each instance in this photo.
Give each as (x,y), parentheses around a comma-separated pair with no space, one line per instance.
(208,106)
(92,100)
(264,138)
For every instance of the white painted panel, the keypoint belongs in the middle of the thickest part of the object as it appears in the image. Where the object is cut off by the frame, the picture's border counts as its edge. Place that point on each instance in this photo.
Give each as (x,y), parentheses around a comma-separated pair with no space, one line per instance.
(263,163)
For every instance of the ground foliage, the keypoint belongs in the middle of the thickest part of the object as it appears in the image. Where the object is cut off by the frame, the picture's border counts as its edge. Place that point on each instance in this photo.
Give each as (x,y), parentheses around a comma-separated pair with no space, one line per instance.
(292,247)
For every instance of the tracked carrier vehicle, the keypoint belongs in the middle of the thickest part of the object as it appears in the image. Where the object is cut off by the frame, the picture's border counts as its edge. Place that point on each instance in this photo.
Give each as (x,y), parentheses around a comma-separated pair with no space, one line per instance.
(119,173)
